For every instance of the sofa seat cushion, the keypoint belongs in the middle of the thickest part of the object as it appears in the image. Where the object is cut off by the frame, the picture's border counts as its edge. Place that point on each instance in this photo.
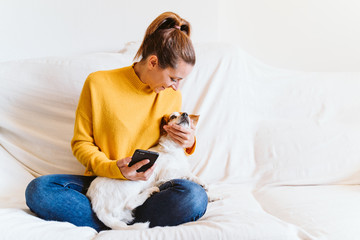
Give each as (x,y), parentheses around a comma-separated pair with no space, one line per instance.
(326,212)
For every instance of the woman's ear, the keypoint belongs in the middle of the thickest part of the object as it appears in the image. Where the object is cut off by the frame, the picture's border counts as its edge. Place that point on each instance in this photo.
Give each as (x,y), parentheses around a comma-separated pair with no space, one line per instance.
(195,119)
(152,61)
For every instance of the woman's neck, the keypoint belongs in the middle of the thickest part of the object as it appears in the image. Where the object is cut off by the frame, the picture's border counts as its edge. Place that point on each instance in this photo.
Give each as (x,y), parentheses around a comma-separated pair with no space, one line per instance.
(139,69)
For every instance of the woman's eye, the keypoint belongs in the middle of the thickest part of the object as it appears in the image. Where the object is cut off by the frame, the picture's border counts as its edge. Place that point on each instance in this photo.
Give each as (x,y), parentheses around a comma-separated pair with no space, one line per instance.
(173,79)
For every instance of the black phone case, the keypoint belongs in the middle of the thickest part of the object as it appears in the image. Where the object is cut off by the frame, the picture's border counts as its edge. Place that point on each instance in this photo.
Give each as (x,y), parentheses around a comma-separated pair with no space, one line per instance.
(140,155)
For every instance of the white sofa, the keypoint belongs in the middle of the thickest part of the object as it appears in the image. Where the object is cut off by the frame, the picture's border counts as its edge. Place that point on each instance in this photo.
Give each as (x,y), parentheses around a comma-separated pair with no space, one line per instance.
(281,147)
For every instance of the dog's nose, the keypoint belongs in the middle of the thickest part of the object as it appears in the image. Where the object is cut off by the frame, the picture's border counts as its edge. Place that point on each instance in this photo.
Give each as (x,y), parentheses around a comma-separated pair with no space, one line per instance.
(185,114)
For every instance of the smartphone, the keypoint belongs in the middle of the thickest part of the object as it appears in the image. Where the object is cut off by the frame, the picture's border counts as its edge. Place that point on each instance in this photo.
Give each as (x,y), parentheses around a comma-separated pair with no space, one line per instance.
(140,155)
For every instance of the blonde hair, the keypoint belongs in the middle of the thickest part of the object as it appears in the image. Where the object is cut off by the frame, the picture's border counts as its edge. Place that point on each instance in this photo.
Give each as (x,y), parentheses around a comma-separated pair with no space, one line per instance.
(168,37)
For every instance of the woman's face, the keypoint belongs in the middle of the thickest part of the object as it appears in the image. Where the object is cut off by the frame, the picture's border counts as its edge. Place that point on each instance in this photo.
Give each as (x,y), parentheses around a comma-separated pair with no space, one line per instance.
(160,79)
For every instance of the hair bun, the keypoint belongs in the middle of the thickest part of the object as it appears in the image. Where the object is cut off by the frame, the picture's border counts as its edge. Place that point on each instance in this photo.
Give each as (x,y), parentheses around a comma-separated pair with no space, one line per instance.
(185,28)
(162,39)
(169,20)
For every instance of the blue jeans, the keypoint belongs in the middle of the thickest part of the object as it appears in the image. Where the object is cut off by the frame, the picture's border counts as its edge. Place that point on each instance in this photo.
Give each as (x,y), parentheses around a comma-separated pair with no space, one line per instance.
(62,197)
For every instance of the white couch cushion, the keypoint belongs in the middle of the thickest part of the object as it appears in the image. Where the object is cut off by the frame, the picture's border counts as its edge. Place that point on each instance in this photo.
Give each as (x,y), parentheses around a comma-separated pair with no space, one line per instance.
(237,216)
(326,212)
(14,179)
(19,224)
(306,127)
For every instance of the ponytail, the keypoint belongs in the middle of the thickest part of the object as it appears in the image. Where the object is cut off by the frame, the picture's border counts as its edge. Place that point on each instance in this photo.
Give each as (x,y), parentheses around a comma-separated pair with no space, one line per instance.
(168,37)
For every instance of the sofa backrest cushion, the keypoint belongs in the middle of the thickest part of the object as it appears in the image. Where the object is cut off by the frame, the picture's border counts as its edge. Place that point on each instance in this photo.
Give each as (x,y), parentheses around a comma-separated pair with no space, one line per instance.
(257,123)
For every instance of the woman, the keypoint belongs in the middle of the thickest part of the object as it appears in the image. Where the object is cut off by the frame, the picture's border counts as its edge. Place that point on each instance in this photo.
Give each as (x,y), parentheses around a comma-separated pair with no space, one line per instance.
(119,111)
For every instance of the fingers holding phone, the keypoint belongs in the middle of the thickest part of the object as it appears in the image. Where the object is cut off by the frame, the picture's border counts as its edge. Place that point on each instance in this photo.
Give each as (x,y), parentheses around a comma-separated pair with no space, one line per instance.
(139,167)
(131,173)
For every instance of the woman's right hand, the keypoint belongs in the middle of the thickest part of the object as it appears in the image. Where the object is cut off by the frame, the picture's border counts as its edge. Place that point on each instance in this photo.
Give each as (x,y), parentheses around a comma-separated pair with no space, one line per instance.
(130,173)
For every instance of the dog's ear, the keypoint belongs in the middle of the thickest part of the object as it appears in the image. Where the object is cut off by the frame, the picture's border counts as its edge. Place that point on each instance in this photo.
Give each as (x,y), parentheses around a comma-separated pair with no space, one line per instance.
(163,122)
(195,119)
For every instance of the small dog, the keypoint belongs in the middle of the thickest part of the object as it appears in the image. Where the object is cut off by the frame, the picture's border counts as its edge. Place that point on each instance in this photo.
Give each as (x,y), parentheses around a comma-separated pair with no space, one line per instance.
(113,200)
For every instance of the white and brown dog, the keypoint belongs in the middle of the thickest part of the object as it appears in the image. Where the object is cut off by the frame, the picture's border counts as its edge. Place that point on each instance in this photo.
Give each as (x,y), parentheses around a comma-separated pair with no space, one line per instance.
(113,200)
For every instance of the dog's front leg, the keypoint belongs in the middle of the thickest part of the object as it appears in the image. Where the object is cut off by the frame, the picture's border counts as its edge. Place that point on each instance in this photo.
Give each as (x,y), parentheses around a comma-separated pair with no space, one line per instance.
(160,182)
(138,200)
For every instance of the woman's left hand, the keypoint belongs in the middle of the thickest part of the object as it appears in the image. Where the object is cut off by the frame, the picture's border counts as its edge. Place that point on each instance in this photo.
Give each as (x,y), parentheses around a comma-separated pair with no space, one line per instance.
(185,137)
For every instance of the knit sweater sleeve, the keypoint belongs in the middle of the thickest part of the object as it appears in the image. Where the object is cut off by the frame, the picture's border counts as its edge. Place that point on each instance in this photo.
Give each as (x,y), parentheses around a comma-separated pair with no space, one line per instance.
(191,150)
(83,143)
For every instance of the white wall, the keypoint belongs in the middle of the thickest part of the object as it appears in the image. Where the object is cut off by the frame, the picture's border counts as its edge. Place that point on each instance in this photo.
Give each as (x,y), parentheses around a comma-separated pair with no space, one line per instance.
(310,35)
(31,28)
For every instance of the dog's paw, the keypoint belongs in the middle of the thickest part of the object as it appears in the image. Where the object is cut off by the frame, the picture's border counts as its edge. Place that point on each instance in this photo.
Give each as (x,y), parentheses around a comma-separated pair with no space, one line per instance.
(205,187)
(153,190)
(150,191)
(214,197)
(138,200)
(202,184)
(160,182)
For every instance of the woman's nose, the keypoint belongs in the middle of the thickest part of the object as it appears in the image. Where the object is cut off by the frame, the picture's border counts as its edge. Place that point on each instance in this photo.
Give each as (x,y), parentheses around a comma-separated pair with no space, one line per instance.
(175,86)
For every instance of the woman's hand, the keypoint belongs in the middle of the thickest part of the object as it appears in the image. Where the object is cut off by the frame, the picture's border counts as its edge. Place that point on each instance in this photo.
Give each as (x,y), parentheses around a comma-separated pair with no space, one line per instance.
(130,173)
(185,137)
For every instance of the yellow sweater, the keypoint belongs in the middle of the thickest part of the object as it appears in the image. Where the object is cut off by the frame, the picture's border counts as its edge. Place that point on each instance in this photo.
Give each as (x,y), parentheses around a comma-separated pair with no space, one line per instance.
(117,114)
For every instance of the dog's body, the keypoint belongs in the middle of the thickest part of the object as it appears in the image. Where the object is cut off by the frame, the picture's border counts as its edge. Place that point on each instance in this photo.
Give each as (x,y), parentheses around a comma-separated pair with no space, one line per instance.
(113,200)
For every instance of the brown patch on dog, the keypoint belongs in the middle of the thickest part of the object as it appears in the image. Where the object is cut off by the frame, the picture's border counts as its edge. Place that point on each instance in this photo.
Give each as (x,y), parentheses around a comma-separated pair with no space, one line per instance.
(164,121)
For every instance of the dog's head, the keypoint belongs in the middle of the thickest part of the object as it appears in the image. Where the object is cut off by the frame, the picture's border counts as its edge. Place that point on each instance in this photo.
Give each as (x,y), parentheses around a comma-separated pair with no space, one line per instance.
(179,118)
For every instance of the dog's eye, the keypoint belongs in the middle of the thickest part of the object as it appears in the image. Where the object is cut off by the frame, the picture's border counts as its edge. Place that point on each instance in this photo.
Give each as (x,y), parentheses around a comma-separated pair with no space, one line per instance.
(172,117)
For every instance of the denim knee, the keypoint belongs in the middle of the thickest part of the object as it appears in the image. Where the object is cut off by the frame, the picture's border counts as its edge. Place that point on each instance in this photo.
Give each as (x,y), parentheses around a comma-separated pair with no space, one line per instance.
(34,192)
(179,201)
(195,197)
